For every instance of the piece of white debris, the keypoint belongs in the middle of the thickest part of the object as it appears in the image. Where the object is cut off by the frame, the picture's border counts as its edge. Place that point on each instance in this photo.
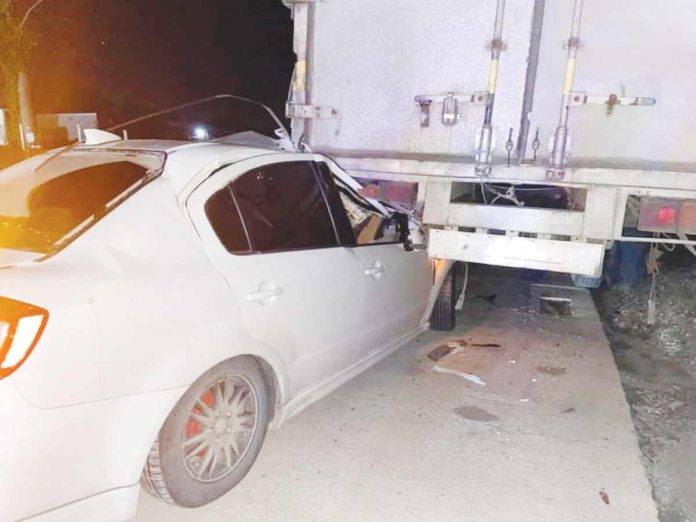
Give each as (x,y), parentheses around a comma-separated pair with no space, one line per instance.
(512,361)
(534,380)
(526,399)
(468,376)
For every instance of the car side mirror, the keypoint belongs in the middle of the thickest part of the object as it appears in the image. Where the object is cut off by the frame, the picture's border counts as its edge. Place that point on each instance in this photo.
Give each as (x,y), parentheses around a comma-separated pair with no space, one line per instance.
(402,223)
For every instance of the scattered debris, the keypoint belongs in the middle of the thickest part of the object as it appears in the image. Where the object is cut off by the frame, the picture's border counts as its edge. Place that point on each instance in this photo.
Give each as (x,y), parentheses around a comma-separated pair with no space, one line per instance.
(468,376)
(459,305)
(552,370)
(485,345)
(556,306)
(438,353)
(489,298)
(475,413)
(603,495)
(569,410)
(446,349)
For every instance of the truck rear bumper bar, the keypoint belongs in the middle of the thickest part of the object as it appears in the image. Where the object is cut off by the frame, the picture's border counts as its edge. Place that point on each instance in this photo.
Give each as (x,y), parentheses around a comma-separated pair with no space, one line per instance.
(520,252)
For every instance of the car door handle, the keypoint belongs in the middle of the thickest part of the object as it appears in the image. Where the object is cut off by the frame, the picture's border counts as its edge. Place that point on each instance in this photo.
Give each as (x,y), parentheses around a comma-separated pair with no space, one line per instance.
(376,271)
(264,295)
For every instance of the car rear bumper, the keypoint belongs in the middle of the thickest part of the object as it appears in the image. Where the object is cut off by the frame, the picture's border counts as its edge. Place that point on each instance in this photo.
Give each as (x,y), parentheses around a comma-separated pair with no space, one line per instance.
(76,463)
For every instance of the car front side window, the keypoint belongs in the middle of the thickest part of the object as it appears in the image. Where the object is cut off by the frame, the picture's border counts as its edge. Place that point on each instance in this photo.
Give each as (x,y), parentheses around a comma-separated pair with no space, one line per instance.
(283,208)
(356,224)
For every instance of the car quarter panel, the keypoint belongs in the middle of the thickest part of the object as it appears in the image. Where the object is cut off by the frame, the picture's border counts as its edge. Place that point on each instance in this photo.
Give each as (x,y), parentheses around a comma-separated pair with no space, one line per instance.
(86,449)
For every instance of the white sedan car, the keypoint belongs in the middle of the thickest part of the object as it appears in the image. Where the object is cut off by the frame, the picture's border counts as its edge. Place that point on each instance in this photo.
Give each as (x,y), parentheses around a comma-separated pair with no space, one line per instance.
(162,303)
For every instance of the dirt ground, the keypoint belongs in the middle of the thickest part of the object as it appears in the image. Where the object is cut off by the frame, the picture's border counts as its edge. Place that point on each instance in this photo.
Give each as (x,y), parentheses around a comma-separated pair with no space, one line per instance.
(658,371)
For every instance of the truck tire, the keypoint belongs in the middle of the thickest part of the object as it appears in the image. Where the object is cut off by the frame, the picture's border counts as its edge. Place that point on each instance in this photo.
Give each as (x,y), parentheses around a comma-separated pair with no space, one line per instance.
(442,318)
(212,436)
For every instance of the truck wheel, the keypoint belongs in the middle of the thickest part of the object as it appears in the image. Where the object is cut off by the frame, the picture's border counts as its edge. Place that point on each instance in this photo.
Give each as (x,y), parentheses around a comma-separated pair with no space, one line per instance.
(442,318)
(212,437)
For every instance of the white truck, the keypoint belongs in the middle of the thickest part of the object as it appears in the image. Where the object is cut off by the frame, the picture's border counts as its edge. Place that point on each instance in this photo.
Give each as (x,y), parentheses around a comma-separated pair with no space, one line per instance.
(534,133)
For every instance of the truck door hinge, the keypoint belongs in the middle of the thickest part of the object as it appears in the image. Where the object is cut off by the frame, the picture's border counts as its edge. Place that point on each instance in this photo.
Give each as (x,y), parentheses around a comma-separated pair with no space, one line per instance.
(450,105)
(298,110)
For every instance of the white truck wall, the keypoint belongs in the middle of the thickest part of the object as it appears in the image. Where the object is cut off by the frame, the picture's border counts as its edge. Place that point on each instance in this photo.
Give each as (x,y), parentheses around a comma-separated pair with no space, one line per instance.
(628,47)
(369,59)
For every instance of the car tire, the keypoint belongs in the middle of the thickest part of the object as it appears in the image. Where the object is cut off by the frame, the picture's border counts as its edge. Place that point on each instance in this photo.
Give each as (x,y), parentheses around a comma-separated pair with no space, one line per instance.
(212,436)
(442,318)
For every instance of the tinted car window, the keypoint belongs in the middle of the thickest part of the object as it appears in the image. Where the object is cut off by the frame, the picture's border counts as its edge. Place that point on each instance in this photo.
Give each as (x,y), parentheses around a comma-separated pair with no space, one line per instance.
(223,215)
(338,211)
(284,209)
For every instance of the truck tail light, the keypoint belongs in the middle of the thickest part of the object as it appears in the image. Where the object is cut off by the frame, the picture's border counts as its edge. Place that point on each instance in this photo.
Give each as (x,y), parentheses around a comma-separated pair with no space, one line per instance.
(674,216)
(21,326)
(658,215)
(687,218)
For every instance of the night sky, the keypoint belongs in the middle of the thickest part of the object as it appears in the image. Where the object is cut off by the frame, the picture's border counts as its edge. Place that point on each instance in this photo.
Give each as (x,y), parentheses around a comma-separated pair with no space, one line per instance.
(122,58)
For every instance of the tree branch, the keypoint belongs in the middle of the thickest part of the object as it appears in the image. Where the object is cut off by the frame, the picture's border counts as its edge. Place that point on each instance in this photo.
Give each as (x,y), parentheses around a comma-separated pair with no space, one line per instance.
(28,13)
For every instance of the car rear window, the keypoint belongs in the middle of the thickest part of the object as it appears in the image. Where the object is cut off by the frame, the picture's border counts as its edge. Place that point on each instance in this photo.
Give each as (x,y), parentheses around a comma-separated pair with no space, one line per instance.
(41,211)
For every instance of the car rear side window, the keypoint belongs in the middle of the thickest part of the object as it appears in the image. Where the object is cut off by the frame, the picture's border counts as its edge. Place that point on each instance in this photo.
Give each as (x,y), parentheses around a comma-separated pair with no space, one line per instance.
(283,208)
(221,210)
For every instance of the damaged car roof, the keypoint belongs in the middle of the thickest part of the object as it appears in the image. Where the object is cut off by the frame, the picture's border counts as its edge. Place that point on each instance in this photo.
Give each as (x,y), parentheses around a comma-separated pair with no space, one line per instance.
(186,161)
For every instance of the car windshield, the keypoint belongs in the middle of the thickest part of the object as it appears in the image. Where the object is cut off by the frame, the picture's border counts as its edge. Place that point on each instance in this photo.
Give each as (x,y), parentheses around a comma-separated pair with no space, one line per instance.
(43,207)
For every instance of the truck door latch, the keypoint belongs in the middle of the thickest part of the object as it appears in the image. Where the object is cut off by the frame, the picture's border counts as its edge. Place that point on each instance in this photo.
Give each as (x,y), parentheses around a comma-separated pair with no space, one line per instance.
(578,99)
(450,105)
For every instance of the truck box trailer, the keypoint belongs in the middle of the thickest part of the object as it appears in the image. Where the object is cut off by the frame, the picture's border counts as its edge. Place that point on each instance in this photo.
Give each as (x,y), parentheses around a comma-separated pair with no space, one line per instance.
(480,104)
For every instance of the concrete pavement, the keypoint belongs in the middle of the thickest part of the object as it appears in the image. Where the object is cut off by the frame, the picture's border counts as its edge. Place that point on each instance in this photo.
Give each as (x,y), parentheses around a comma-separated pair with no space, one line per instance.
(525,420)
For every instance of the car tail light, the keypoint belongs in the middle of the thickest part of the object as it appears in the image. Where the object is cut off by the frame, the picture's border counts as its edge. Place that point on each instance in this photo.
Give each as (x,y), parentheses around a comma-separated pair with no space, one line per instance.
(21,326)
(674,216)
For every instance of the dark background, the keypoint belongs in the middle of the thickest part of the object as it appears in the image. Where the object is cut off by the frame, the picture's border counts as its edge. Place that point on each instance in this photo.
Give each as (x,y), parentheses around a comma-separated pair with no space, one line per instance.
(124,58)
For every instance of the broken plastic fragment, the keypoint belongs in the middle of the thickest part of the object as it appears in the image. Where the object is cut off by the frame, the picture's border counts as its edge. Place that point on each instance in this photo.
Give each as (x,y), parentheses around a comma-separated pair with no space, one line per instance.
(468,376)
